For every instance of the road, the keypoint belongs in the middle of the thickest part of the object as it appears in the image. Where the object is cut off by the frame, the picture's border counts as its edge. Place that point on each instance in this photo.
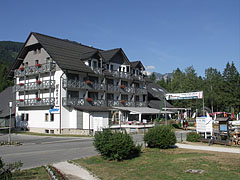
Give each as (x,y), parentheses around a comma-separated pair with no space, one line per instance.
(41,150)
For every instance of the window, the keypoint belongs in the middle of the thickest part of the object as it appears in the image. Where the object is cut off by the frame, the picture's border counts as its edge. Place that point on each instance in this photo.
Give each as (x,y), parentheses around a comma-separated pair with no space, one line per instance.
(128,69)
(144,97)
(73,94)
(47,131)
(123,69)
(22,117)
(124,83)
(94,64)
(46,117)
(37,61)
(26,64)
(133,71)
(137,72)
(93,95)
(26,117)
(89,63)
(124,97)
(110,96)
(137,98)
(73,76)
(51,117)
(137,85)
(36,94)
(34,51)
(107,66)
(37,78)
(39,50)
(51,131)
(111,67)
(119,69)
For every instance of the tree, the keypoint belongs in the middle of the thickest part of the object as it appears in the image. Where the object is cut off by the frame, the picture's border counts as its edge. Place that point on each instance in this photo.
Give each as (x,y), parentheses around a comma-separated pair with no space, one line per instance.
(153,77)
(231,93)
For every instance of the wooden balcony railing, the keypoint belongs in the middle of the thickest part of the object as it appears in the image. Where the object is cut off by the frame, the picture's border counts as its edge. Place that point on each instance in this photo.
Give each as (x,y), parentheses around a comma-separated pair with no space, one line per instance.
(76,84)
(46,84)
(31,70)
(82,102)
(35,102)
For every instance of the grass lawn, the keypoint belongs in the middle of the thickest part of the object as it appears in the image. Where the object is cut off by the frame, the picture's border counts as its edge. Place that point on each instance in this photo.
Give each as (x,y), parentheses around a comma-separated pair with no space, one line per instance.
(167,164)
(31,174)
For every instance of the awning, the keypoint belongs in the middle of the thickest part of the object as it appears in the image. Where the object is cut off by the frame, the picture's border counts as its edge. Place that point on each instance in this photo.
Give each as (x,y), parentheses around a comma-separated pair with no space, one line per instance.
(142,110)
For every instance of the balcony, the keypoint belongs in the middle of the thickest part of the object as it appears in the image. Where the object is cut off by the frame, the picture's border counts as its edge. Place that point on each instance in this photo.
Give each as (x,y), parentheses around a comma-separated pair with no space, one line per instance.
(82,102)
(46,84)
(141,90)
(138,77)
(141,104)
(126,89)
(76,84)
(35,102)
(119,74)
(113,88)
(120,103)
(32,70)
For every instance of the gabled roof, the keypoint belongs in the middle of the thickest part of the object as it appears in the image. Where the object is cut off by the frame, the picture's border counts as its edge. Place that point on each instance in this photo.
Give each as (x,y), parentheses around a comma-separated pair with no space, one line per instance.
(137,64)
(66,53)
(109,55)
(6,96)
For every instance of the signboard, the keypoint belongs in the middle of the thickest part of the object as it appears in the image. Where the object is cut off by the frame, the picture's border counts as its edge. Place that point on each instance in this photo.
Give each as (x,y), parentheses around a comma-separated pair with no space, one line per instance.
(204,124)
(53,110)
(189,95)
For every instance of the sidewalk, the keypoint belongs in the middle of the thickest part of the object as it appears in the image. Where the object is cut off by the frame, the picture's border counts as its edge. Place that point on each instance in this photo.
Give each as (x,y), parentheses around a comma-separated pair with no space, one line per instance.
(209,148)
(74,172)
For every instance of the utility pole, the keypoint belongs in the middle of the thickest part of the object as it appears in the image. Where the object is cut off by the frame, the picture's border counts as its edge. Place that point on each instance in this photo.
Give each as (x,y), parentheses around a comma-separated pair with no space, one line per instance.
(10,122)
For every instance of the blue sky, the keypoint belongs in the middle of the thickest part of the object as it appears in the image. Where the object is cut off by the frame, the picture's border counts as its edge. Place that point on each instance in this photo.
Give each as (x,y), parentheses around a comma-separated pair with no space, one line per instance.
(163,34)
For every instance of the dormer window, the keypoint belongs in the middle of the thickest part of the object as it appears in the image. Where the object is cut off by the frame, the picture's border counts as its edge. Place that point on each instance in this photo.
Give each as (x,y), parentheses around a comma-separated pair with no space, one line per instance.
(89,63)
(94,65)
(128,69)
(137,72)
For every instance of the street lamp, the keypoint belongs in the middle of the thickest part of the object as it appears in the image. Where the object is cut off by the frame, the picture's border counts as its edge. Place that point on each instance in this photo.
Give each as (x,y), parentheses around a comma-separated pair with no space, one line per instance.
(165,105)
(10,122)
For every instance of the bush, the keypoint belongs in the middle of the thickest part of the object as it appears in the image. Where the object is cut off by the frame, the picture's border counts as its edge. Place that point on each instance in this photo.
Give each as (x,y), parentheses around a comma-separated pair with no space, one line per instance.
(6,169)
(160,137)
(115,145)
(193,137)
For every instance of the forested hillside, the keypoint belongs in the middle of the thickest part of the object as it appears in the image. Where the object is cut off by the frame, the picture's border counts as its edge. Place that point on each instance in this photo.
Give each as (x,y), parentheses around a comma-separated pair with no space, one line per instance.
(8,53)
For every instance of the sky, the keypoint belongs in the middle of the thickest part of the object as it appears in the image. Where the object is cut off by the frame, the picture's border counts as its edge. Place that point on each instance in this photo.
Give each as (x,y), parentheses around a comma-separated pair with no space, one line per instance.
(163,34)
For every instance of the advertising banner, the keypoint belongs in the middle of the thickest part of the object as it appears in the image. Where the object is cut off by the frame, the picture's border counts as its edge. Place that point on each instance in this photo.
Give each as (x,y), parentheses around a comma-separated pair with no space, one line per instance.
(180,96)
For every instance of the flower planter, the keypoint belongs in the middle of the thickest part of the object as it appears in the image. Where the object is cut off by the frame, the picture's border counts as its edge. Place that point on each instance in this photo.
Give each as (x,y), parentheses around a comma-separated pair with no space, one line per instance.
(89,99)
(38,65)
(21,84)
(21,68)
(123,101)
(38,82)
(122,86)
(89,82)
(38,98)
(21,100)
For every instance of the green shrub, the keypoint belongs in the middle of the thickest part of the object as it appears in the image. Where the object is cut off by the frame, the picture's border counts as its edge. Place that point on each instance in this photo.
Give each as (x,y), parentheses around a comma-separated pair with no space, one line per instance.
(160,137)
(193,137)
(115,145)
(7,169)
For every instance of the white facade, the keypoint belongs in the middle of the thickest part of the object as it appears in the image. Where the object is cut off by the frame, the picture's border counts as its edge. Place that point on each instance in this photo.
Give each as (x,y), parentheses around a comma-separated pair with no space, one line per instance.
(50,100)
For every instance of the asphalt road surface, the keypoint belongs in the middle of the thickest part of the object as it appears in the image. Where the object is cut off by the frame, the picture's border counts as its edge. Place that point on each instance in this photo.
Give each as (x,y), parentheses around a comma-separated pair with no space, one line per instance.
(41,150)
